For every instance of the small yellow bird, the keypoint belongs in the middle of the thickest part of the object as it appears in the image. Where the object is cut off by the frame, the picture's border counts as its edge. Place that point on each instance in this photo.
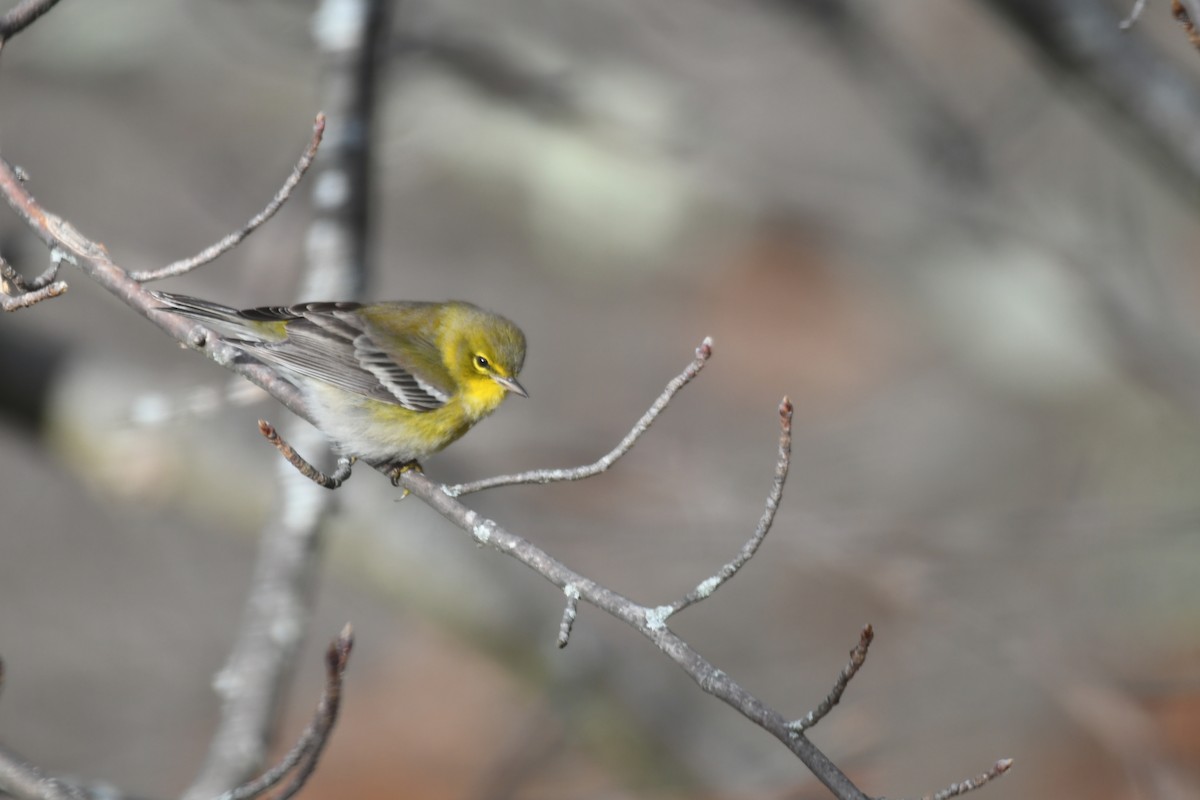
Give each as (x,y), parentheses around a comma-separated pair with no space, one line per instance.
(390,383)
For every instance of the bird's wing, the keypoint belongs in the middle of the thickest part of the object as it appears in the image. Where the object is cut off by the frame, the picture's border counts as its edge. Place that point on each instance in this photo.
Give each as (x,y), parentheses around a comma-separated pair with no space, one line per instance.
(329,342)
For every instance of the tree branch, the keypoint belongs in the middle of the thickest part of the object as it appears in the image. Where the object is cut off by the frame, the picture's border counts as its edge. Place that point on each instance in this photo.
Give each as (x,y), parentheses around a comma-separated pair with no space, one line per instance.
(21,16)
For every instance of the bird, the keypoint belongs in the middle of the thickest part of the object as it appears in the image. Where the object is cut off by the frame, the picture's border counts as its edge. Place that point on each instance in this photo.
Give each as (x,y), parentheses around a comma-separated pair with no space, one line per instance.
(390,383)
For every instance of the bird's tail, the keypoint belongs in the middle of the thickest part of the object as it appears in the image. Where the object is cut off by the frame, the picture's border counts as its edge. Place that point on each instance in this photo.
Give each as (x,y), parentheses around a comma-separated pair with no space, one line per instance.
(196,308)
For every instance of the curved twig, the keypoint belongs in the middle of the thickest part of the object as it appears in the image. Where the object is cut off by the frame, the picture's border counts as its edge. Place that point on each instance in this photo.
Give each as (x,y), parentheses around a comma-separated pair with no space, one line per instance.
(703,353)
(218,249)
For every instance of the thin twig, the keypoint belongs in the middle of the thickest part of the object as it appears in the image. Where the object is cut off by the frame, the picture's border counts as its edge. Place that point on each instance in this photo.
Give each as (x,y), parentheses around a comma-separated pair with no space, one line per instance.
(215,251)
(709,585)
(970,784)
(41,281)
(10,303)
(703,353)
(307,748)
(1187,12)
(339,476)
(21,16)
(569,613)
(1134,14)
(858,656)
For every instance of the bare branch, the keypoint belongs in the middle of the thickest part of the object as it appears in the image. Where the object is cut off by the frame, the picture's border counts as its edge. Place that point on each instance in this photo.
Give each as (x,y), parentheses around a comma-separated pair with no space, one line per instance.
(642,619)
(858,657)
(344,464)
(709,585)
(308,747)
(21,16)
(231,241)
(703,353)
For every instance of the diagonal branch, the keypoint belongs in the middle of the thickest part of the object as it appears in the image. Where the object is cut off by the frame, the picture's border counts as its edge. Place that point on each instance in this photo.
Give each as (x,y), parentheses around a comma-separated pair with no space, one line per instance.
(20,778)
(21,16)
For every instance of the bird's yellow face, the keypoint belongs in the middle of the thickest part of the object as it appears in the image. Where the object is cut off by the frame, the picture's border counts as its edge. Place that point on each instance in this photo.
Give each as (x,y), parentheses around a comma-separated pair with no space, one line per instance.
(490,355)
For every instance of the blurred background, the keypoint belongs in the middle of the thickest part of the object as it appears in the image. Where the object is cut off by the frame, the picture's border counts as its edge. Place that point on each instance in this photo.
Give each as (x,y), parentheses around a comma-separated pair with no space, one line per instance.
(961,236)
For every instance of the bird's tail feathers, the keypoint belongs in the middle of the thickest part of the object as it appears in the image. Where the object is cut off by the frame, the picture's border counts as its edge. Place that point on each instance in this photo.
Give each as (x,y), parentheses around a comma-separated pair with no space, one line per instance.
(195,307)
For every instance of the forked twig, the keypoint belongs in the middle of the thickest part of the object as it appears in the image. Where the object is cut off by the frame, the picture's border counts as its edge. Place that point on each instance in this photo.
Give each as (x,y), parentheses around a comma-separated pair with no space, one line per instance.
(32,291)
(231,241)
(703,353)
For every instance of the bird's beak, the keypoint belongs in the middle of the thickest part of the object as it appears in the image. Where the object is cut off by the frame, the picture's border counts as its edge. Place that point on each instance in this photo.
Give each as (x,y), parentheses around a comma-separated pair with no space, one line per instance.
(511,384)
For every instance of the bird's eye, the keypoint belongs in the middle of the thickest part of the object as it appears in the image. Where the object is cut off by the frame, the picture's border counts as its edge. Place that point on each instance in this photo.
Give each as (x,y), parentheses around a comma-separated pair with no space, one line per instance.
(481,361)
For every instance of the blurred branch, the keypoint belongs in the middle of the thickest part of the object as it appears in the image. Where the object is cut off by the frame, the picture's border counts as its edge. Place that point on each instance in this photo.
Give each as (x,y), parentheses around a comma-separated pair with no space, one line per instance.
(1135,14)
(23,780)
(491,68)
(1187,12)
(350,37)
(1156,104)
(910,105)
(307,749)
